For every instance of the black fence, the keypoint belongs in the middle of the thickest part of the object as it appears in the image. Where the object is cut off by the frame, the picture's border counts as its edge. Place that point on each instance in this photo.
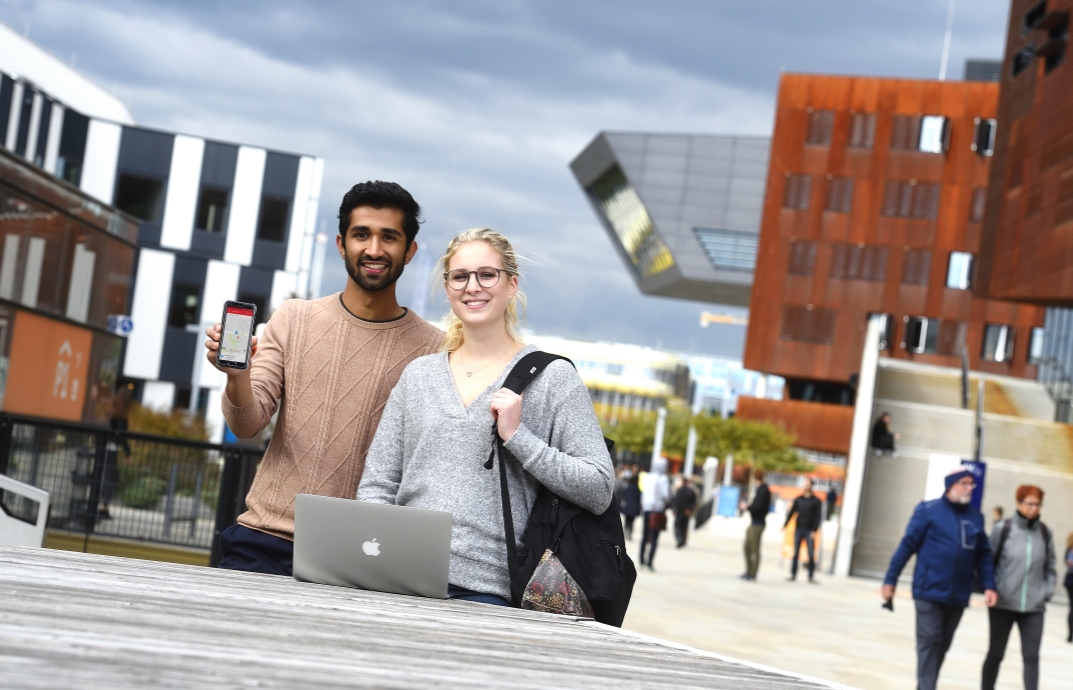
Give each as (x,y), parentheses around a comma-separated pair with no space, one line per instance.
(126,493)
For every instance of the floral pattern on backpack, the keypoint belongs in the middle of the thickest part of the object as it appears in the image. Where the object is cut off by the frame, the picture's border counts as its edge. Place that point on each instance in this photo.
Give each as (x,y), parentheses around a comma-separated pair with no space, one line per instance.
(552,589)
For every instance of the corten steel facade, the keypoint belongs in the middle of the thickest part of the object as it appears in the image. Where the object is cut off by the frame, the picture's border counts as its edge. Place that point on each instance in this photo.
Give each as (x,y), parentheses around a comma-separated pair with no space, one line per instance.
(682,210)
(874,204)
(1026,250)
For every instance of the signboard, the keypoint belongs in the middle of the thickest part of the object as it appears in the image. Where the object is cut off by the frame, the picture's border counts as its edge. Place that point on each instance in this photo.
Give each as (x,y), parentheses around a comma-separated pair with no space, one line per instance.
(48,367)
(728,501)
(120,324)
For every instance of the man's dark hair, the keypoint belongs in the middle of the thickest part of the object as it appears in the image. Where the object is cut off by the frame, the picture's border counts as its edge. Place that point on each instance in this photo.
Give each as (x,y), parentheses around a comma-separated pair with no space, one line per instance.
(380,194)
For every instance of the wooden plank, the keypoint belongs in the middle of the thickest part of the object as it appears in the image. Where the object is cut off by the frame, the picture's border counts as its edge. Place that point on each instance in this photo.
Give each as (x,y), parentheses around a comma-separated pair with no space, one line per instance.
(88,621)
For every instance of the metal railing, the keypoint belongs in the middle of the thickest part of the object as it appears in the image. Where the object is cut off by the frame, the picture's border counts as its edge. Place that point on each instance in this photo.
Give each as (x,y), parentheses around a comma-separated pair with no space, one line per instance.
(135,492)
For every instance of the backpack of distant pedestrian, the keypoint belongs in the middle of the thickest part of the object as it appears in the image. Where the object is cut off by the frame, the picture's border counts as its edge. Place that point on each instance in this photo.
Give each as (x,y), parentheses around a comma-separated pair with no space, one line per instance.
(571,561)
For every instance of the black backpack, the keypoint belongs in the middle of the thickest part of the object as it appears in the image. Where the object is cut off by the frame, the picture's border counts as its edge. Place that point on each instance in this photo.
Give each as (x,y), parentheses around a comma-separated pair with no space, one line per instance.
(591,547)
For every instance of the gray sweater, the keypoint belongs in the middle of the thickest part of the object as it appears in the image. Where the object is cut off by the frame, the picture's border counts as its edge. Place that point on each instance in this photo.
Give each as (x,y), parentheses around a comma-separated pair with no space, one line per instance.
(429,452)
(1024,575)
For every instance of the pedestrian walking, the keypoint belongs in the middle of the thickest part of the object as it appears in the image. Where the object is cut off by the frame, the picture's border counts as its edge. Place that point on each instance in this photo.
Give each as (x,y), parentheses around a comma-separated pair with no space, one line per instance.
(832,499)
(655,498)
(947,535)
(684,503)
(1023,551)
(1069,583)
(327,367)
(433,438)
(809,513)
(758,511)
(630,506)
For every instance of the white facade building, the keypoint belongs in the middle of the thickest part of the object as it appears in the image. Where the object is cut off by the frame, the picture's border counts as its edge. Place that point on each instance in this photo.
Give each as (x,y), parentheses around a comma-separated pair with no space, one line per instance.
(218,221)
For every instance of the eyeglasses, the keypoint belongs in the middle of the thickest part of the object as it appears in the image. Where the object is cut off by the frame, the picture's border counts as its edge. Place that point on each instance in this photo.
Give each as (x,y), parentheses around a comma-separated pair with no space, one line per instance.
(487,277)
(967,483)
(1031,504)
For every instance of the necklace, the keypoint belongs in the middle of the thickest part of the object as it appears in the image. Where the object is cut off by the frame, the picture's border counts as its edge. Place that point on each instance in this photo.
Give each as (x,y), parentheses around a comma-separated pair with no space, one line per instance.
(471,373)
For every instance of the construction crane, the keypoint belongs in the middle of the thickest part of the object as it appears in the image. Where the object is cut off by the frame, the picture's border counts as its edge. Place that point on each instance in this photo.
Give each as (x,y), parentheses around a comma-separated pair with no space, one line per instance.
(707,318)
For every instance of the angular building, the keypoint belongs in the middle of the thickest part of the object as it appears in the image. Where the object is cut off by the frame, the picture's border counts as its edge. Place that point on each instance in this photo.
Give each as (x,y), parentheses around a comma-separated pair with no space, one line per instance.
(683,211)
(216,221)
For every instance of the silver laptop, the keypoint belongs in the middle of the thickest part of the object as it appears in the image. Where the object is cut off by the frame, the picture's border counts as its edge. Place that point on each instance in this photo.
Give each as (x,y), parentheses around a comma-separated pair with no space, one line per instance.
(373,546)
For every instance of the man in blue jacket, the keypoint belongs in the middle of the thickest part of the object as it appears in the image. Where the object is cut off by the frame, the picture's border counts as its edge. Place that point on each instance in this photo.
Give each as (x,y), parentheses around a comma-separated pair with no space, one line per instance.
(947,535)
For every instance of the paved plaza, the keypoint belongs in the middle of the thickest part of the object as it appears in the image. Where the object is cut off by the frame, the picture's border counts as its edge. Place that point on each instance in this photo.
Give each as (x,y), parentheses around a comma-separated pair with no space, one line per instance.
(834,630)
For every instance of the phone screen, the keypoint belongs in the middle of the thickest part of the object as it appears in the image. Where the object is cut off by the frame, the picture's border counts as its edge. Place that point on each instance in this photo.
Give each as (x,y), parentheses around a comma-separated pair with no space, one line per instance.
(235,338)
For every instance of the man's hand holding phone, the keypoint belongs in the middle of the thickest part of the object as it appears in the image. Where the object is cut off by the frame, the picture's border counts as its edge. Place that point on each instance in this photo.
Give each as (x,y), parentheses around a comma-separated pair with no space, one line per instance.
(234,355)
(212,347)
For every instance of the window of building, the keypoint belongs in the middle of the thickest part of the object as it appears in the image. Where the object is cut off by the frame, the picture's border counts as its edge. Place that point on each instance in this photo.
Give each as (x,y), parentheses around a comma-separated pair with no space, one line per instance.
(796,194)
(917,267)
(886,328)
(998,343)
(614,369)
(1022,60)
(859,262)
(983,139)
(728,249)
(978,205)
(141,197)
(862,131)
(72,147)
(934,134)
(1035,346)
(959,271)
(921,334)
(839,194)
(212,210)
(272,222)
(184,309)
(911,199)
(1032,17)
(802,258)
(820,125)
(808,324)
(905,132)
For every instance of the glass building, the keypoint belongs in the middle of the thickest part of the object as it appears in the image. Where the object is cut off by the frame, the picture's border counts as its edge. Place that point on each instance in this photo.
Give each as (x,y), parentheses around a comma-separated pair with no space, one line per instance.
(682,210)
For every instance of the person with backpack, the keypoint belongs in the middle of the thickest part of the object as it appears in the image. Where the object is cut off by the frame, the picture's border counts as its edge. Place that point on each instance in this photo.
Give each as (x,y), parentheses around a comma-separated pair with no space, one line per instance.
(655,498)
(1023,553)
(434,436)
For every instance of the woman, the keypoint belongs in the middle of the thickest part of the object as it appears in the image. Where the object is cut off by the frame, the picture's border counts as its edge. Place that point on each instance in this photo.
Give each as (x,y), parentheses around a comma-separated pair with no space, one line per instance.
(1069,582)
(1025,578)
(435,432)
(655,496)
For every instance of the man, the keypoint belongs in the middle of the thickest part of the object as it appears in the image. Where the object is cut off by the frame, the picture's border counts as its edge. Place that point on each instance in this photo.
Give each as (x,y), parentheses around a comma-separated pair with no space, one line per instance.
(758,511)
(809,513)
(328,366)
(947,535)
(832,499)
(684,501)
(882,437)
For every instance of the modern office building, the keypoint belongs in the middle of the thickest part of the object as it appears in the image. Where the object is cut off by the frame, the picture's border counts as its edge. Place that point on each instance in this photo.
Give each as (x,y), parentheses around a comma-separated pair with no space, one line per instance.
(683,211)
(1026,248)
(217,220)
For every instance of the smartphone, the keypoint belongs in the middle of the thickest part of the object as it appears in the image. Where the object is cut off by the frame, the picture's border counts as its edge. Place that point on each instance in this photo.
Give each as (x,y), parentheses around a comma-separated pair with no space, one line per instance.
(236,335)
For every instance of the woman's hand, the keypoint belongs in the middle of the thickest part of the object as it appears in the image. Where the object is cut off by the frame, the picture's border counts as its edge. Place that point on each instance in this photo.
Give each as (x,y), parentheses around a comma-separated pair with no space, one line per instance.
(507,411)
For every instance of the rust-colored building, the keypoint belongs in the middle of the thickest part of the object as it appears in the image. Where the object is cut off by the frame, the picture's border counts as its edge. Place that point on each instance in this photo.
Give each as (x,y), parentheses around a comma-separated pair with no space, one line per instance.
(1026,250)
(874,205)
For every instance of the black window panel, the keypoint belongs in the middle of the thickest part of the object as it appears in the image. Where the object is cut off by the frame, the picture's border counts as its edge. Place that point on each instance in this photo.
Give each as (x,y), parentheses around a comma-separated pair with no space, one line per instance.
(819,391)
(281,175)
(255,281)
(42,132)
(7,92)
(146,153)
(218,165)
(25,111)
(212,210)
(72,147)
(184,308)
(983,137)
(272,220)
(1033,15)
(261,315)
(1022,60)
(141,197)
(177,358)
(190,271)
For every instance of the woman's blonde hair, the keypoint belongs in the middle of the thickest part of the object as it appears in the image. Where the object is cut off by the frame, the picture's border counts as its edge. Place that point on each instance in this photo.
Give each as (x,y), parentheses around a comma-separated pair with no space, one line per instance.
(506,253)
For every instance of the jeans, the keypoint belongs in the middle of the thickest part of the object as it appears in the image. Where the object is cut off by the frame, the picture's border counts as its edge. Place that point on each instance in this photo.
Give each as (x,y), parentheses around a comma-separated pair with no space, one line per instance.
(1031,627)
(648,536)
(256,552)
(681,528)
(629,525)
(936,624)
(752,549)
(803,535)
(463,594)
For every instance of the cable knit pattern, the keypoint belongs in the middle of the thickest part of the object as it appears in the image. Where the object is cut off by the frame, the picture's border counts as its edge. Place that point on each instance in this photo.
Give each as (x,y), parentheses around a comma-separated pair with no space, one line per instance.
(333,373)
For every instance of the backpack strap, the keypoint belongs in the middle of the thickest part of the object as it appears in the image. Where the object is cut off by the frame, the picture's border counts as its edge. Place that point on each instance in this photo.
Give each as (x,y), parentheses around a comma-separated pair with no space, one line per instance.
(520,376)
(1002,535)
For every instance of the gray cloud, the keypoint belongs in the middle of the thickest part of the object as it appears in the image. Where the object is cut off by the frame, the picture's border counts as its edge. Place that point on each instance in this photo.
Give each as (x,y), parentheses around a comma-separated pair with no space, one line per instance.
(477,107)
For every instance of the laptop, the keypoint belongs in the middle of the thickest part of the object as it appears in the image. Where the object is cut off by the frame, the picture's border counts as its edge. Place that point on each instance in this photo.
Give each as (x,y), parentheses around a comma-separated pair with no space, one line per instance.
(338,541)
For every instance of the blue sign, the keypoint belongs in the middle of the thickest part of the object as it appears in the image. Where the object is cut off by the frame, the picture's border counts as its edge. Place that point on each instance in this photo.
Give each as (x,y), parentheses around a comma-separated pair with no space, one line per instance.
(728,501)
(979,473)
(120,324)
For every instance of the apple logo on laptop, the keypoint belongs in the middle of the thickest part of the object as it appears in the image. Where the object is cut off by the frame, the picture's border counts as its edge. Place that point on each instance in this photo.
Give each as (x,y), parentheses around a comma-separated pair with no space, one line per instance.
(371,548)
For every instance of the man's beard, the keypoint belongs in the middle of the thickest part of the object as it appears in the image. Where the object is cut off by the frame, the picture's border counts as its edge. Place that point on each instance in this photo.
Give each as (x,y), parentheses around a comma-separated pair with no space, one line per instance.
(372,283)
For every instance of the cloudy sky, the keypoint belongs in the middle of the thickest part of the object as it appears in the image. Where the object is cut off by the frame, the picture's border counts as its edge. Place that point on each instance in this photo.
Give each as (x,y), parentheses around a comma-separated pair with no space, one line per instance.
(477,107)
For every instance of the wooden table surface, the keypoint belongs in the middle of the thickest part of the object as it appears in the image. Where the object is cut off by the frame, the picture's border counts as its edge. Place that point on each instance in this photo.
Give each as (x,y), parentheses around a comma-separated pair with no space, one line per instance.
(72,620)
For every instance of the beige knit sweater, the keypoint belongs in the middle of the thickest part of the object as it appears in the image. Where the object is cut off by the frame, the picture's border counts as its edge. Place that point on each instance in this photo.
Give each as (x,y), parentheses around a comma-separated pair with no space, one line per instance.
(333,373)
